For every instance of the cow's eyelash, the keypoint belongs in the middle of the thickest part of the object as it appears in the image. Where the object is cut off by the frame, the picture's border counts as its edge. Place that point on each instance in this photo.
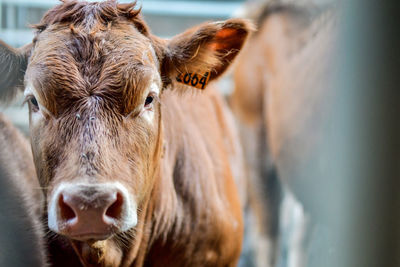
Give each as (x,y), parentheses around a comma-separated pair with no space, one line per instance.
(26,99)
(155,97)
(32,102)
(139,110)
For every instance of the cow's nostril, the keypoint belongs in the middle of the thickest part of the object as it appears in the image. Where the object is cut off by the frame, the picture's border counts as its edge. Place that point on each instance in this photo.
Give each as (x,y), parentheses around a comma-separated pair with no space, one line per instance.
(66,212)
(115,209)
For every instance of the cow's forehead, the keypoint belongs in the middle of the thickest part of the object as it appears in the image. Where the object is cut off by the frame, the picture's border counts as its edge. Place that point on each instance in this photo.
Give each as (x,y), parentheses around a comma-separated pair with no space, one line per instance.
(120,41)
(118,62)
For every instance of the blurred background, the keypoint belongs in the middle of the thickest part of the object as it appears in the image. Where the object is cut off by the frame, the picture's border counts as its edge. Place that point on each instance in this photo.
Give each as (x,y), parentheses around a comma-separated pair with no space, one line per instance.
(337,200)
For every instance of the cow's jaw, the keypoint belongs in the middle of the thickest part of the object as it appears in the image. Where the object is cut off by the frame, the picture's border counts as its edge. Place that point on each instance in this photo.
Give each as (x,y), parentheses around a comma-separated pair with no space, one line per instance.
(98,253)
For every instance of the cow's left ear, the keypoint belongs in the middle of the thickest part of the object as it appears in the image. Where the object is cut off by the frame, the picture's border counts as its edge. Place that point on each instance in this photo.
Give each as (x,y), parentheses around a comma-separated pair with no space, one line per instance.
(203,53)
(13,63)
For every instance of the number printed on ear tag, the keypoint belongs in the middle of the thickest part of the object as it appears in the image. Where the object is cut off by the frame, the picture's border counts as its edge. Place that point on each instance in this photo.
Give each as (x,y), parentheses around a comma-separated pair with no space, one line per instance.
(194,79)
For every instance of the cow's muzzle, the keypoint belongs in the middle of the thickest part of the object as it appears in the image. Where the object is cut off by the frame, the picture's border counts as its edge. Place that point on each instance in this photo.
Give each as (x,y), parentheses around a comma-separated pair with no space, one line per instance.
(91,212)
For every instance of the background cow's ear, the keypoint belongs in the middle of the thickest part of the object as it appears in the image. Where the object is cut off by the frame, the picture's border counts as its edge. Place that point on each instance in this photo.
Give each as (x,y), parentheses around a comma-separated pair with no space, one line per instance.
(13,63)
(203,53)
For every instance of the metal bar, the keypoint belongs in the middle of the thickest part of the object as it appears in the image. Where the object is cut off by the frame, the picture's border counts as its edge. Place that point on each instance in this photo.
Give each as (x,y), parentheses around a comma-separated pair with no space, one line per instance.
(22,13)
(1,14)
(363,149)
(10,16)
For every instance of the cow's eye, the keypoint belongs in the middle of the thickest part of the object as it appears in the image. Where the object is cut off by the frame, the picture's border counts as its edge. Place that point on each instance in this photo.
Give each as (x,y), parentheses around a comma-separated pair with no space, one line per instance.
(149,100)
(34,103)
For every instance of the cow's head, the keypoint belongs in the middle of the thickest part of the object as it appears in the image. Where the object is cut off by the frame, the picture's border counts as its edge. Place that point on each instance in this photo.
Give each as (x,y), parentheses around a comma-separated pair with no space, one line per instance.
(93,79)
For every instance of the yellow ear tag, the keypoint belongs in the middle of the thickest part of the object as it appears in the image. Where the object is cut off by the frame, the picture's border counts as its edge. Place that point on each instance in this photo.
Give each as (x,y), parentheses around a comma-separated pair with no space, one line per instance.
(194,79)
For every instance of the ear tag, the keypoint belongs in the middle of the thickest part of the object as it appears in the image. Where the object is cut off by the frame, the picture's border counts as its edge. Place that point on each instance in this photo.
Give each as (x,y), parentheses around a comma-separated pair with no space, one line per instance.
(194,79)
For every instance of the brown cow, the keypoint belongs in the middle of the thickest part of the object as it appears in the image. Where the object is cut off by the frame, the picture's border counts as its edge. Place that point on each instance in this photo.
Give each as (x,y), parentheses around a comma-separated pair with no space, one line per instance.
(281,99)
(21,234)
(134,173)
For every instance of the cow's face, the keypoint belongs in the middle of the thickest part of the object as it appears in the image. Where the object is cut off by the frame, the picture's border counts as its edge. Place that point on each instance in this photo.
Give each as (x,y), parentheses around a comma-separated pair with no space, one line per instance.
(93,85)
(95,125)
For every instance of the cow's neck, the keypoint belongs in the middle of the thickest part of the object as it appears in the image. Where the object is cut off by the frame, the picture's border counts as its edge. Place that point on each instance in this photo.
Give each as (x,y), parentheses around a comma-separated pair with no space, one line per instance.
(170,217)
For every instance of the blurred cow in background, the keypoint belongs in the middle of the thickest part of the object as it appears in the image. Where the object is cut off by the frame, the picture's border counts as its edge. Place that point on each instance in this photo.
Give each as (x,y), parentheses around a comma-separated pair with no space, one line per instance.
(21,234)
(281,101)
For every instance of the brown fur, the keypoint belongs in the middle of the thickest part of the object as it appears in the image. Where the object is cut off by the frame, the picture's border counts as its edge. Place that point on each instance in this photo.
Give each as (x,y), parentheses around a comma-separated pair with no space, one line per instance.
(90,67)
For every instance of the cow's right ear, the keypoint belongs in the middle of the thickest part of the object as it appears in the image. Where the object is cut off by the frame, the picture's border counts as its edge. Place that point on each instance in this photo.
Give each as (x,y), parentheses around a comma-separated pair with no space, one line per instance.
(13,64)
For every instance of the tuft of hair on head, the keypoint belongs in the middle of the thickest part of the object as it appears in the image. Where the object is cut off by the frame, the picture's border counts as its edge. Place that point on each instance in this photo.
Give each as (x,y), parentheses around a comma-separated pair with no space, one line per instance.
(73,12)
